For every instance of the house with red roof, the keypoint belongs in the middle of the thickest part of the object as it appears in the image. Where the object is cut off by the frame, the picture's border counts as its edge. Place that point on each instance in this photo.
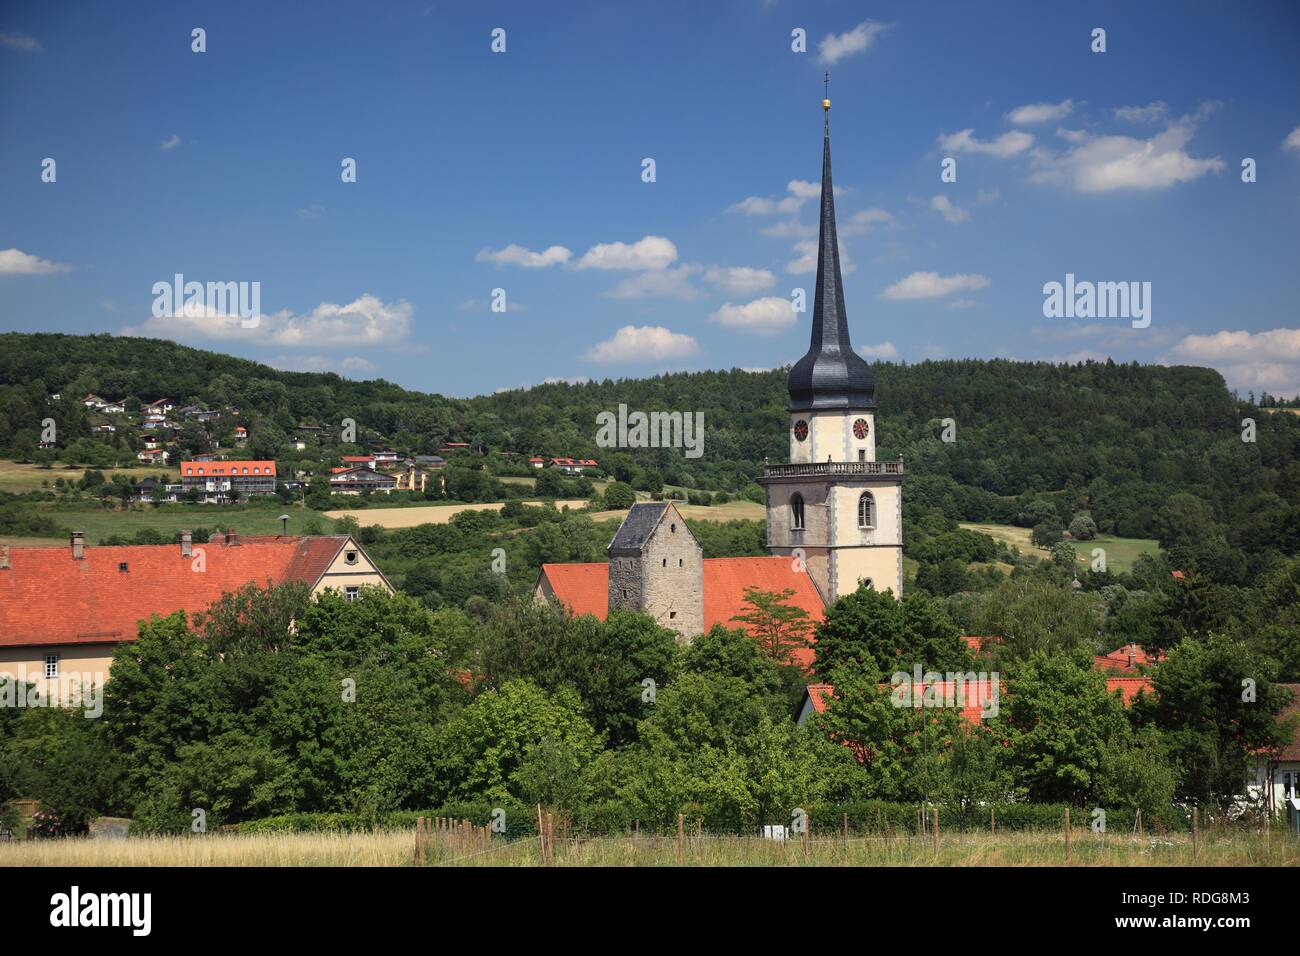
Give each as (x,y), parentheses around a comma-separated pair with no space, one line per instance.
(656,566)
(68,608)
(1274,782)
(221,480)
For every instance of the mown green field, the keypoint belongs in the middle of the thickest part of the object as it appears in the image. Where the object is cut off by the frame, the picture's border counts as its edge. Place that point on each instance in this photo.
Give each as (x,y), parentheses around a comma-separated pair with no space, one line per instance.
(1120,552)
(100,523)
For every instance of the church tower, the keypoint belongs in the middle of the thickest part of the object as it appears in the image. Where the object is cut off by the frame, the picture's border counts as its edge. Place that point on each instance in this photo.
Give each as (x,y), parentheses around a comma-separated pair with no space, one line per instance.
(835,505)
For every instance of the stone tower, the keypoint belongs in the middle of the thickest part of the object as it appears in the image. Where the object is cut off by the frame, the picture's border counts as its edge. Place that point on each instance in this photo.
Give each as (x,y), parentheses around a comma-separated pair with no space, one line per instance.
(657,567)
(835,504)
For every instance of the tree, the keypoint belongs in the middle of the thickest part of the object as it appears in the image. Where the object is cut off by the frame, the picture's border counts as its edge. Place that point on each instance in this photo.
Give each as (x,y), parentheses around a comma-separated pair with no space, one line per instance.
(1058,721)
(870,625)
(481,749)
(905,748)
(1217,706)
(1047,533)
(1083,528)
(780,628)
(1033,613)
(619,495)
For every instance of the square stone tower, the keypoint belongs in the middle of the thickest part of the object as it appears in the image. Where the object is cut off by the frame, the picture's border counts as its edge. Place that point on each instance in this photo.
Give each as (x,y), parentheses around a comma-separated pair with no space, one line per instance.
(835,504)
(657,567)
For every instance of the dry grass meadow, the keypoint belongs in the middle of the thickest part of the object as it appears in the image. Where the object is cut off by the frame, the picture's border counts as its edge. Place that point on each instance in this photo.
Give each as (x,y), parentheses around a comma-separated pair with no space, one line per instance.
(397,848)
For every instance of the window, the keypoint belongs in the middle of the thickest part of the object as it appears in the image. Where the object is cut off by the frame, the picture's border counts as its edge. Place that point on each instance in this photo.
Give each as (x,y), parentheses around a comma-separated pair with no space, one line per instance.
(672,615)
(866,511)
(679,562)
(351,593)
(1291,783)
(665,562)
(350,557)
(862,454)
(51,665)
(672,528)
(796,512)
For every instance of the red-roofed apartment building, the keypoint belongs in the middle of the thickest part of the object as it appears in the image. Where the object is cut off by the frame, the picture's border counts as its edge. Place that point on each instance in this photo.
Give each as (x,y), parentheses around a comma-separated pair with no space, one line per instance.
(70,607)
(216,480)
(657,567)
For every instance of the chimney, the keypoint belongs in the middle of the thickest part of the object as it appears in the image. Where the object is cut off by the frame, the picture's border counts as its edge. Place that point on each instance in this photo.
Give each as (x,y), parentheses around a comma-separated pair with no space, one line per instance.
(78,545)
(217,538)
(187,544)
(232,539)
(4,557)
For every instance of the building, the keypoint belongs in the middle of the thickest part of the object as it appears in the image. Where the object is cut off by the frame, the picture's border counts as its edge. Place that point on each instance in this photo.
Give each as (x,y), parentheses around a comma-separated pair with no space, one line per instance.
(216,480)
(572,466)
(1274,783)
(656,567)
(152,456)
(834,505)
(353,481)
(68,608)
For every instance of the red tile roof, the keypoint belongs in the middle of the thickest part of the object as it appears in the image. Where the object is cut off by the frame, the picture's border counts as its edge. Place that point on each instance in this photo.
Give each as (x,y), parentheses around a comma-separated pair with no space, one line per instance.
(1129,687)
(584,588)
(48,597)
(225,469)
(1125,660)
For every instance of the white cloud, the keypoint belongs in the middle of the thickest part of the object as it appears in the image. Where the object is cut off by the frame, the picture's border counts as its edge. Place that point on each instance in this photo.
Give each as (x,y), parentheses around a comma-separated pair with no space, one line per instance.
(789,229)
(21,42)
(516,255)
(313,211)
(835,47)
(885,350)
(658,284)
(651,252)
(1103,163)
(171,142)
(798,192)
(16,263)
(951,213)
(1248,360)
(1008,144)
(740,280)
(865,220)
(352,365)
(366,321)
(765,316)
(805,259)
(646,343)
(962,304)
(1292,141)
(931,285)
(1151,113)
(1040,112)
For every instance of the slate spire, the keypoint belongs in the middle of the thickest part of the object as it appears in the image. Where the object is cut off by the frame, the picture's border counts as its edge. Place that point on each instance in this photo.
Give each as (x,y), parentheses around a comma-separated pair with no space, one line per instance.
(831,375)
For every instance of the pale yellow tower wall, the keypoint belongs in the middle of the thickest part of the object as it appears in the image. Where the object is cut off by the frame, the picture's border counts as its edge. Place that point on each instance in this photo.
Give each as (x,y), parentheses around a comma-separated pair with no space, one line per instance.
(830,436)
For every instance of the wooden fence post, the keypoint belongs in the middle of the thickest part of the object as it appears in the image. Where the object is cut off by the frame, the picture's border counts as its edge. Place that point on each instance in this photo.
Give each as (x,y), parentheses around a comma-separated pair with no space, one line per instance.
(806,828)
(1067,834)
(1196,827)
(541,833)
(846,826)
(993,819)
(936,831)
(681,839)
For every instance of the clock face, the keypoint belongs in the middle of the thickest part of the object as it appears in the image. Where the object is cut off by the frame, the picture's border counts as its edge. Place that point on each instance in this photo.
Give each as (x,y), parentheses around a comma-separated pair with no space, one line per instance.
(861,428)
(800,429)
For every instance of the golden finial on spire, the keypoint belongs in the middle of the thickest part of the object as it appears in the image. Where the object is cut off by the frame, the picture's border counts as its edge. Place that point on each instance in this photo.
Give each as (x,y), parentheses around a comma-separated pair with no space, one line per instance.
(826,83)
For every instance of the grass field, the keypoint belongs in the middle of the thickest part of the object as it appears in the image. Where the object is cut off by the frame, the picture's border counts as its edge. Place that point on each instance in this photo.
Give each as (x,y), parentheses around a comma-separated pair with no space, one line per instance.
(429,514)
(731,511)
(396,848)
(17,478)
(1120,552)
(100,523)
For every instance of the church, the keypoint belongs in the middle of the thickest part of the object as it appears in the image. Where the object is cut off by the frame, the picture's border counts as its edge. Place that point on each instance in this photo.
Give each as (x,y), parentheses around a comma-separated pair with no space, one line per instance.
(834,512)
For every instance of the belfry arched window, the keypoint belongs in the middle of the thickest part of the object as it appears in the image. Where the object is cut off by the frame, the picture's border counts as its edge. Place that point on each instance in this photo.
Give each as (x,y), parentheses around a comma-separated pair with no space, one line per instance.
(866,511)
(796,511)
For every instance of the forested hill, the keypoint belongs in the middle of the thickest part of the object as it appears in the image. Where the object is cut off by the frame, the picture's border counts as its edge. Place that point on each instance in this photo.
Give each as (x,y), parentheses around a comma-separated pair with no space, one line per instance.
(1117,441)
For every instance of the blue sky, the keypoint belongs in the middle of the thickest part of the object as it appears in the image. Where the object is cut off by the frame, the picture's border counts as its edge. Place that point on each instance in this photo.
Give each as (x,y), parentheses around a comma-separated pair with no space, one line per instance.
(522,171)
